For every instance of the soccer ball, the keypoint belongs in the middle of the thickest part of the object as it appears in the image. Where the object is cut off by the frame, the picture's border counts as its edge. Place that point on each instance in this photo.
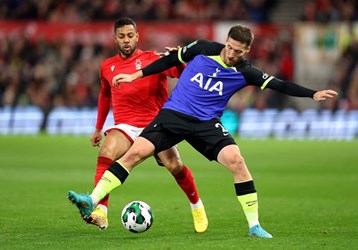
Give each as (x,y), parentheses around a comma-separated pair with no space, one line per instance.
(137,216)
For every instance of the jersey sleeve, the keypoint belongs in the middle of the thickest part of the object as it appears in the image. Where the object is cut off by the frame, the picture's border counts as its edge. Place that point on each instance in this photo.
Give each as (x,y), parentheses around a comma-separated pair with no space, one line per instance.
(256,77)
(183,55)
(175,72)
(104,102)
(199,47)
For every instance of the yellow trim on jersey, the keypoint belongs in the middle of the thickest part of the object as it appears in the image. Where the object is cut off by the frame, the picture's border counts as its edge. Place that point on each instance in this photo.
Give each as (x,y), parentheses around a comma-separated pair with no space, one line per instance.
(218,59)
(179,55)
(266,82)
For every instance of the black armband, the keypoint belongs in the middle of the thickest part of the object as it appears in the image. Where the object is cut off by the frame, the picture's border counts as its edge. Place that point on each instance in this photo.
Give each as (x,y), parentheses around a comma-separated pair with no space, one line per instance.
(290,88)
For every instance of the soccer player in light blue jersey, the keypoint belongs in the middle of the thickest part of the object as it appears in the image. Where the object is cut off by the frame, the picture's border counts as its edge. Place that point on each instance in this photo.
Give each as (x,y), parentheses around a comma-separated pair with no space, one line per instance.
(214,72)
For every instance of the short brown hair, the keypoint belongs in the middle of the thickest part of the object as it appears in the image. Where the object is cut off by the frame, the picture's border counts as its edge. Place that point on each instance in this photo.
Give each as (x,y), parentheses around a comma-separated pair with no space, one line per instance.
(241,33)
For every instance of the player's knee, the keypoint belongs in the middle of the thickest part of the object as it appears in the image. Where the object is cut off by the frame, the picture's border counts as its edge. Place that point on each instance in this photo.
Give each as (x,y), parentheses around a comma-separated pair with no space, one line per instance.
(138,153)
(105,151)
(236,160)
(239,169)
(173,165)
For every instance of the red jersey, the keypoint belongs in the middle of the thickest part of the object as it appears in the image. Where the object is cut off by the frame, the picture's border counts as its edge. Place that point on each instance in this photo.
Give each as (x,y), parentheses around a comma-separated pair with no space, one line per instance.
(138,102)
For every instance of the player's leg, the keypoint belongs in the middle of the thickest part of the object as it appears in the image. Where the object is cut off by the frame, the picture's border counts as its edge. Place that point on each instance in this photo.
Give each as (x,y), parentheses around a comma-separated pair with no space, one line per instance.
(114,145)
(118,172)
(230,157)
(213,141)
(113,177)
(183,176)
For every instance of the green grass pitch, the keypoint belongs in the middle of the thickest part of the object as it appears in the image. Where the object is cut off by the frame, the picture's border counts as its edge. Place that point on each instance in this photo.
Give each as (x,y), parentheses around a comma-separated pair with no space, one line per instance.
(307,193)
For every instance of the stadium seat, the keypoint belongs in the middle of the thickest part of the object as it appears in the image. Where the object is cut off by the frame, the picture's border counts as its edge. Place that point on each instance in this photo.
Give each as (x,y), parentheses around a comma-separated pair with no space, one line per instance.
(5,117)
(267,120)
(284,122)
(26,120)
(249,123)
(320,128)
(71,121)
(301,127)
(352,119)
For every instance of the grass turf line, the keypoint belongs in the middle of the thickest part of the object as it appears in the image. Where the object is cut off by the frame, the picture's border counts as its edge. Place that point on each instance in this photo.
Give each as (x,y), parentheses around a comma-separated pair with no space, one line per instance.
(307,193)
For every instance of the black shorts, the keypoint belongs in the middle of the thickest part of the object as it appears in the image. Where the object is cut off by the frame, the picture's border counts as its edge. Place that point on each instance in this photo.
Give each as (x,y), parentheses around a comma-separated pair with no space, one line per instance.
(171,127)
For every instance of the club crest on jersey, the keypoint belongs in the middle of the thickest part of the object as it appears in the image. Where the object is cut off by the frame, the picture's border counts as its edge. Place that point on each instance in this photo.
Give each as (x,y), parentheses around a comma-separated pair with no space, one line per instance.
(216,73)
(112,68)
(138,64)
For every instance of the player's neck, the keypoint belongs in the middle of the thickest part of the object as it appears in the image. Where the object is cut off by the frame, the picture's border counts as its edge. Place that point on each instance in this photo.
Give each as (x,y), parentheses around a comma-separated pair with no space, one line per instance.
(123,56)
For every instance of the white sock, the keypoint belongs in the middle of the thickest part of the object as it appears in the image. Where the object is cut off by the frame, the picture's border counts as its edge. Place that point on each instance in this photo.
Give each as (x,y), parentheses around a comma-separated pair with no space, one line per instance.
(196,205)
(94,200)
(103,207)
(253,223)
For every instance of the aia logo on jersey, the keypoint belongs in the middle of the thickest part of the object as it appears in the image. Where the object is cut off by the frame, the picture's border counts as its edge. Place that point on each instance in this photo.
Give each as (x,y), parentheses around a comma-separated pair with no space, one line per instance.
(138,64)
(209,83)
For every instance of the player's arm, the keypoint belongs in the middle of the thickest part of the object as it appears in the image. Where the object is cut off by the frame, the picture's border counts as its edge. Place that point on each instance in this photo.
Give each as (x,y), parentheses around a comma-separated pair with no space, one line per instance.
(182,56)
(104,105)
(258,78)
(174,58)
(161,64)
(174,72)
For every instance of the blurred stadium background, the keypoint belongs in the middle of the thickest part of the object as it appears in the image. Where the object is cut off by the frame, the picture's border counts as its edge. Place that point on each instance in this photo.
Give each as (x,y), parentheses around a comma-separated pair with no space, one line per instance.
(50,54)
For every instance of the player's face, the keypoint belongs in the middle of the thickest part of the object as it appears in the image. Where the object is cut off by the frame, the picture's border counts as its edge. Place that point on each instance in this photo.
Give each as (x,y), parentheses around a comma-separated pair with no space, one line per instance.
(233,52)
(126,38)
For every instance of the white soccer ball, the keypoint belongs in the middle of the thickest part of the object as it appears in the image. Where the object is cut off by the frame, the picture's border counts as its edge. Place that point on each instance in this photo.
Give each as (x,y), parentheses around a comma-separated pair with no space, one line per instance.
(137,216)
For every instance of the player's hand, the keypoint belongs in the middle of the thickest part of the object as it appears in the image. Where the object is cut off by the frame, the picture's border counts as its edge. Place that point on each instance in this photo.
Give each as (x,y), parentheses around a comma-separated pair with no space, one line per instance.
(96,138)
(168,50)
(126,78)
(324,94)
(120,78)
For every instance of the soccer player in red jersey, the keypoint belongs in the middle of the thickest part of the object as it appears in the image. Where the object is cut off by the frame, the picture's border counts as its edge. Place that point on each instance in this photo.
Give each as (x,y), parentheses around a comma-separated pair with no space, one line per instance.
(134,106)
